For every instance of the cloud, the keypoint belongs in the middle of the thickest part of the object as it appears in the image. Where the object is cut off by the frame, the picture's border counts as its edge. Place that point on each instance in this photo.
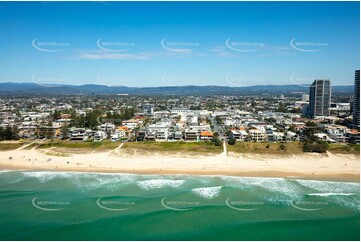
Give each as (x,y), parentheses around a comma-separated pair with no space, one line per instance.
(102,55)
(265,51)
(221,51)
(282,48)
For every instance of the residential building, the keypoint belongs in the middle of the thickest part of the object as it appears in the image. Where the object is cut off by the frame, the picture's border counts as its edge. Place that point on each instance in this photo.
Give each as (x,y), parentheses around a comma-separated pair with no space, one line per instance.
(356,101)
(257,134)
(178,135)
(320,98)
(99,136)
(206,135)
(305,97)
(337,132)
(191,135)
(239,135)
(148,109)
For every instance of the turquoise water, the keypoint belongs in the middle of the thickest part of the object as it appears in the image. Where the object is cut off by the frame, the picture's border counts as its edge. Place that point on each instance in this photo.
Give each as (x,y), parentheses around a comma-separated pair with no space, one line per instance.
(96,206)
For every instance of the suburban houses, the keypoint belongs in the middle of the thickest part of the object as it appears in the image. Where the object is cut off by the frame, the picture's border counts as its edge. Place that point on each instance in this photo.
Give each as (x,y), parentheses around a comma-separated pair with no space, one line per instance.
(187,118)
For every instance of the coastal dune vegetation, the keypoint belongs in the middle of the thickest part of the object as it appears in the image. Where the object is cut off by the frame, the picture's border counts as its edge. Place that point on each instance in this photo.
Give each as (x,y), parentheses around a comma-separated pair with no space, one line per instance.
(201,147)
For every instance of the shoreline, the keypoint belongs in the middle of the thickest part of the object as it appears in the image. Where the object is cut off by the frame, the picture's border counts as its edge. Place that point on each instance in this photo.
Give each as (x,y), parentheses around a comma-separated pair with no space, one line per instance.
(264,174)
(332,167)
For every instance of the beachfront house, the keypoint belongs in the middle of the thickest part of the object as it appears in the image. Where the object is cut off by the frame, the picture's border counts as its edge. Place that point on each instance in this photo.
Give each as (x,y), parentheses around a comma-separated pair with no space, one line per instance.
(239,134)
(337,132)
(191,135)
(324,137)
(178,135)
(206,135)
(257,134)
(161,135)
(141,134)
(99,136)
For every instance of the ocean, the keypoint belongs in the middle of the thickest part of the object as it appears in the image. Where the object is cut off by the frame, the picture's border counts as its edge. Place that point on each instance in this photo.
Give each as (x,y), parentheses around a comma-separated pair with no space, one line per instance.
(39,205)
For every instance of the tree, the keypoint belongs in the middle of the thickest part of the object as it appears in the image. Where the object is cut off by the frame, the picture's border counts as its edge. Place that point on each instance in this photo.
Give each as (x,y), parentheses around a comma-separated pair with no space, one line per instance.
(217,142)
(283,147)
(91,118)
(270,120)
(49,130)
(293,129)
(147,120)
(56,114)
(232,141)
(128,113)
(311,123)
(64,131)
(228,132)
(310,130)
(79,121)
(219,120)
(296,110)
(8,133)
(2,137)
(281,107)
(318,147)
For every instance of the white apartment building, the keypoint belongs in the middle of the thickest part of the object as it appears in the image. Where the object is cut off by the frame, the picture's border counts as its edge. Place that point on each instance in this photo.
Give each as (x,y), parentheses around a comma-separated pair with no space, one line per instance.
(257,134)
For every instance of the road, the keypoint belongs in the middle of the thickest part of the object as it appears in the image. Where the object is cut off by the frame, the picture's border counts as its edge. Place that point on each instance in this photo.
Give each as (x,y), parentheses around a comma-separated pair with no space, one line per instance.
(217,128)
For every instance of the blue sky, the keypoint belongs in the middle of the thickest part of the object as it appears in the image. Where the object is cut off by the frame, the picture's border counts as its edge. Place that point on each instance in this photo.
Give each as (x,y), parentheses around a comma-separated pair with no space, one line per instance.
(179,43)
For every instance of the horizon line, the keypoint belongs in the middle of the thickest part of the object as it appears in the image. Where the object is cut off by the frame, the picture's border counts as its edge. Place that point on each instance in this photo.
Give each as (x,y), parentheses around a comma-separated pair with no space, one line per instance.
(110,86)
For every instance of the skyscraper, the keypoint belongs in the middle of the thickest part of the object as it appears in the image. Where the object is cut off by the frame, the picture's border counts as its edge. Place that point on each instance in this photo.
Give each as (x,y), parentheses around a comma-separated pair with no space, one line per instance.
(320,98)
(356,101)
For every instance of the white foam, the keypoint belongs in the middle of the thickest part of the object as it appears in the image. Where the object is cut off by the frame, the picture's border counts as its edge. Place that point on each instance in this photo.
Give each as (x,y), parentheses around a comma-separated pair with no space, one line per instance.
(331,194)
(207,192)
(87,180)
(2,171)
(280,186)
(92,181)
(44,176)
(159,183)
(330,187)
(343,193)
(10,177)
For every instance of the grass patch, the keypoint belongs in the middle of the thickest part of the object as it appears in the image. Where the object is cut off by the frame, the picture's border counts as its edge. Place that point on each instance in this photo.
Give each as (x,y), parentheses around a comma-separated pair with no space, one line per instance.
(56,154)
(289,148)
(87,146)
(344,149)
(266,148)
(10,146)
(178,146)
(29,147)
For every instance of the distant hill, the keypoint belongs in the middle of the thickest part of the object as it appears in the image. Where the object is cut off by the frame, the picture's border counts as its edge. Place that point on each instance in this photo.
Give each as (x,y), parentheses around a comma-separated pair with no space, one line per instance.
(33,88)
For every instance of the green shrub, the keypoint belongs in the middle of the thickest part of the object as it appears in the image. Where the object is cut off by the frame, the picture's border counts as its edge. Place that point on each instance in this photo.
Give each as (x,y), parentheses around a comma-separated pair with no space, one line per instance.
(232,141)
(217,142)
(317,147)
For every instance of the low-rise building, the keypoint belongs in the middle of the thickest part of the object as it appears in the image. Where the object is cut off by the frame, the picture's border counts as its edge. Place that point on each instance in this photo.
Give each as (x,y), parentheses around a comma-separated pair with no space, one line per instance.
(239,135)
(206,135)
(191,135)
(257,134)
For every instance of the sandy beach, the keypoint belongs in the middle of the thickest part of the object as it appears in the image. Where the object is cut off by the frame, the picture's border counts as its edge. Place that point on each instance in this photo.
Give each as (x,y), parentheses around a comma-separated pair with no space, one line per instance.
(309,165)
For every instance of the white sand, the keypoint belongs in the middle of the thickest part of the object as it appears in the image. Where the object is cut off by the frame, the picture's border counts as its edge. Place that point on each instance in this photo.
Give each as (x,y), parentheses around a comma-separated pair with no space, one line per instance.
(315,166)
